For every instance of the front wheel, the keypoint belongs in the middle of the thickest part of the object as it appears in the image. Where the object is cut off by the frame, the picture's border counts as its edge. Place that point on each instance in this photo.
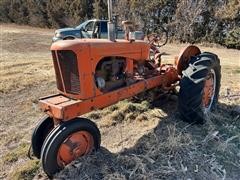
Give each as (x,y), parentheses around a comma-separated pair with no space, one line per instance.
(69,38)
(199,88)
(40,133)
(67,142)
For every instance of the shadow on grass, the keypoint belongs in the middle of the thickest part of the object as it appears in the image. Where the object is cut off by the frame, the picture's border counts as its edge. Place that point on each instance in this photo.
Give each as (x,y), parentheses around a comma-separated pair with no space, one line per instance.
(172,150)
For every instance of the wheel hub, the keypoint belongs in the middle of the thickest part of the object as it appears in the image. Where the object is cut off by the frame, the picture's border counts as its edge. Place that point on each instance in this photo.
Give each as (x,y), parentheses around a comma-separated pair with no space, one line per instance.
(76,145)
(209,91)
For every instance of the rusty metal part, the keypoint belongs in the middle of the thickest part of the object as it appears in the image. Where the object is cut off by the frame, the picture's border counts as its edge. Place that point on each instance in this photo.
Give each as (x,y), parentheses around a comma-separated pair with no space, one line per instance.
(209,91)
(172,76)
(154,39)
(155,43)
(110,71)
(89,53)
(137,75)
(76,145)
(158,39)
(132,73)
(184,57)
(65,108)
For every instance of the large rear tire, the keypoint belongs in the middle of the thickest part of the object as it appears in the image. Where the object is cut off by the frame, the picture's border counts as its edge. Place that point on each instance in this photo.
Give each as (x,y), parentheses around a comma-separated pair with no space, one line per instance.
(67,142)
(199,88)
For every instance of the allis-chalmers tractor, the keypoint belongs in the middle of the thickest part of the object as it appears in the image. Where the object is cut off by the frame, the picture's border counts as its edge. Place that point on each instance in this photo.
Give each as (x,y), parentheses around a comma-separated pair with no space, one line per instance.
(95,73)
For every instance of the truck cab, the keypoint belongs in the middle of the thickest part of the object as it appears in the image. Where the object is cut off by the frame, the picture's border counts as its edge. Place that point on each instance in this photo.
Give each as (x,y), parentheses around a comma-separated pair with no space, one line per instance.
(93,28)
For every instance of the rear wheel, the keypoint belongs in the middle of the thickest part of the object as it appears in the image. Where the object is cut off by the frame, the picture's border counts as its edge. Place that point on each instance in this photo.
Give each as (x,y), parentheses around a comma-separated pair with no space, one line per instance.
(68,142)
(199,88)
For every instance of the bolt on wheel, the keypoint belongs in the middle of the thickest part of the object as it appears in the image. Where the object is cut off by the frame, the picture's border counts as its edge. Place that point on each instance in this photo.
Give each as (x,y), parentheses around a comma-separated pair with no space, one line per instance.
(76,145)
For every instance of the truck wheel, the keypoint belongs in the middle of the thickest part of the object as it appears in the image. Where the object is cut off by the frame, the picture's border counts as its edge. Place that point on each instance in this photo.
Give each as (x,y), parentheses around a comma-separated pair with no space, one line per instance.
(67,142)
(69,38)
(199,88)
(40,133)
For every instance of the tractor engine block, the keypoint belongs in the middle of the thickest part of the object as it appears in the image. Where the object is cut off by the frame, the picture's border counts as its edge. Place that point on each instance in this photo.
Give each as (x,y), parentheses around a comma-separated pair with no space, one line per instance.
(110,73)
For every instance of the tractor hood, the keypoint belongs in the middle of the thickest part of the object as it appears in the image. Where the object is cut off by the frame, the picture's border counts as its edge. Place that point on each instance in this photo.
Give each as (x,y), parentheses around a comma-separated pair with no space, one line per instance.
(138,50)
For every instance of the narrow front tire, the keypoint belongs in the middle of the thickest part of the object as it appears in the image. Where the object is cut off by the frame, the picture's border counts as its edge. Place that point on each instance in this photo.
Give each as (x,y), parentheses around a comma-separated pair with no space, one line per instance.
(67,142)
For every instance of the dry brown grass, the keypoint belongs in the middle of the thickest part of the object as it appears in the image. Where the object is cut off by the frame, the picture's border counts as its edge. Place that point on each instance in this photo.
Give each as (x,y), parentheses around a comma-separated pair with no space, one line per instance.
(141,140)
(24,57)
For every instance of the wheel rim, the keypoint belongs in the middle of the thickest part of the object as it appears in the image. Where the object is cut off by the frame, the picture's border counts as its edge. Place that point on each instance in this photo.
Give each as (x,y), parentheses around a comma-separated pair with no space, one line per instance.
(182,61)
(76,145)
(209,91)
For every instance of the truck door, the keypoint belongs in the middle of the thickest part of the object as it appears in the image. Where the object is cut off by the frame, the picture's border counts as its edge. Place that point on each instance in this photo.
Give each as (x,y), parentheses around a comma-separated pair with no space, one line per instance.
(88,30)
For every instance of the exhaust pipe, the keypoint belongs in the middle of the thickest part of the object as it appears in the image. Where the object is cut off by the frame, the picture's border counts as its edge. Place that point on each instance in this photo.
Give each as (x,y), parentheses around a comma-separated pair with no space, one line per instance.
(111,27)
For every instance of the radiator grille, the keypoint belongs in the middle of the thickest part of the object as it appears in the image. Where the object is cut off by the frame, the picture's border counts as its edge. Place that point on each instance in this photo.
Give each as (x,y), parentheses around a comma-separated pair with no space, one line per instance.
(57,73)
(66,69)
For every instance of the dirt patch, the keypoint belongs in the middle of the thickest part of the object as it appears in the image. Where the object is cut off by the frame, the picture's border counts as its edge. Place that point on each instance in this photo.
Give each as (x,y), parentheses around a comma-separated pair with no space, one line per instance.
(16,42)
(171,150)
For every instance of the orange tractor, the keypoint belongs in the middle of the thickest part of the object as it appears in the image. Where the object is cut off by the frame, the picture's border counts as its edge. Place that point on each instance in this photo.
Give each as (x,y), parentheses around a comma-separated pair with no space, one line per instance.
(95,73)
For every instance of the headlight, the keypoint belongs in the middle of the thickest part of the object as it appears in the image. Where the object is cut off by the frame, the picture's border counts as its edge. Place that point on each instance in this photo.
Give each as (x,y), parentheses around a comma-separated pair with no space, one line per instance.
(58,35)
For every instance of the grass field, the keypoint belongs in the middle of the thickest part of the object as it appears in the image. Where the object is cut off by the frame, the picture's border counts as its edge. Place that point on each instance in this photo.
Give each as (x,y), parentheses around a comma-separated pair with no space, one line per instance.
(139,140)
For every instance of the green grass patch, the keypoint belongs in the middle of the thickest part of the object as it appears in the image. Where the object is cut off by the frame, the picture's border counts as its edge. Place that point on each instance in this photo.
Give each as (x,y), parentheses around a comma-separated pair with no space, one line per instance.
(237,71)
(25,171)
(15,154)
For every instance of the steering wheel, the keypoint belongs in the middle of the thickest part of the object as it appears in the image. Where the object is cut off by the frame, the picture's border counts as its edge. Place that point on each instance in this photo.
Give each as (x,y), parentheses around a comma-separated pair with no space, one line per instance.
(158,39)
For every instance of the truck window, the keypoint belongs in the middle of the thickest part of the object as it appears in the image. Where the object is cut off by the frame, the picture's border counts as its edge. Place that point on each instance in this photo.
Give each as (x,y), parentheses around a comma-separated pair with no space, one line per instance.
(89,26)
(104,27)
